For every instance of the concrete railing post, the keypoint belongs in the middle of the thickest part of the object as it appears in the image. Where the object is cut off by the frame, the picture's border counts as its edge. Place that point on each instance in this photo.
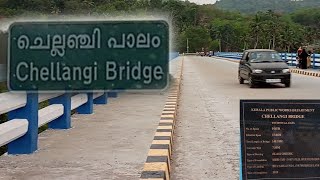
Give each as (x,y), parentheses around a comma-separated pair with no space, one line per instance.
(112,94)
(64,121)
(292,56)
(285,57)
(87,108)
(314,61)
(103,99)
(28,143)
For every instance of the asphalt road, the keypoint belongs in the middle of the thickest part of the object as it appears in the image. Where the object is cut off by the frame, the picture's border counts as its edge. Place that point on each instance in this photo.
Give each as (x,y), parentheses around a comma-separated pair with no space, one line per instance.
(207,140)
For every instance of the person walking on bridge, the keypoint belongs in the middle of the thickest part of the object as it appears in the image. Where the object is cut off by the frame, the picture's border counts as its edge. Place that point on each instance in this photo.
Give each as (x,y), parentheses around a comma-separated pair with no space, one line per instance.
(299,57)
(304,59)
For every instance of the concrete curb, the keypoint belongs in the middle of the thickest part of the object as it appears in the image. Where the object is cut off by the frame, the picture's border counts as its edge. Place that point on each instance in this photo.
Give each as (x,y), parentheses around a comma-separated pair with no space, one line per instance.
(297,71)
(304,72)
(157,165)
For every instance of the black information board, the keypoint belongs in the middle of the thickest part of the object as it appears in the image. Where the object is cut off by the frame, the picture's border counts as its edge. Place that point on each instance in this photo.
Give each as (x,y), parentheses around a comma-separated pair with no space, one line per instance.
(280,139)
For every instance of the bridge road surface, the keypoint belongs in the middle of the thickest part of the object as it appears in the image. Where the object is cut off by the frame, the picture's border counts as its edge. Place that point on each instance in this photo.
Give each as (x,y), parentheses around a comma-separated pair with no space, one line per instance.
(207,140)
(112,143)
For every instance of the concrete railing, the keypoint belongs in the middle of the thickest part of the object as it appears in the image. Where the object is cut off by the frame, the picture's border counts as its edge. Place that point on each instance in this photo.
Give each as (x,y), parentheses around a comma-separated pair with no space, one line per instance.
(290,58)
(232,55)
(173,55)
(189,54)
(21,131)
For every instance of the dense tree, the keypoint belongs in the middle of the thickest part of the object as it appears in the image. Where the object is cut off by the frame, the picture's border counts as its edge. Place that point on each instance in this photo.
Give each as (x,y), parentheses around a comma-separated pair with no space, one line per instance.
(253,6)
(198,38)
(205,26)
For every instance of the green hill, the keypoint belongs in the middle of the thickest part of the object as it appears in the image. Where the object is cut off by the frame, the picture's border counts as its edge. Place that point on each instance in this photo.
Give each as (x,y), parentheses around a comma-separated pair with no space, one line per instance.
(253,6)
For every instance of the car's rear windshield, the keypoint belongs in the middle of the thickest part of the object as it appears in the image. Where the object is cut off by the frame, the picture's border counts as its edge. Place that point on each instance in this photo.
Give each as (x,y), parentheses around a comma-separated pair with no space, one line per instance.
(265,56)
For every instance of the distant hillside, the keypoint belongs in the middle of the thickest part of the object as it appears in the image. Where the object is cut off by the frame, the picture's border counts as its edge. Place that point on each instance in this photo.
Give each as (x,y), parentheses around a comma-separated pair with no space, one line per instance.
(253,6)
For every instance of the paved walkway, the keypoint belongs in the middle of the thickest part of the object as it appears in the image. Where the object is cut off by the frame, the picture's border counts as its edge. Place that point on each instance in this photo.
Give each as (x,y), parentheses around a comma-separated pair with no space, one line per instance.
(112,143)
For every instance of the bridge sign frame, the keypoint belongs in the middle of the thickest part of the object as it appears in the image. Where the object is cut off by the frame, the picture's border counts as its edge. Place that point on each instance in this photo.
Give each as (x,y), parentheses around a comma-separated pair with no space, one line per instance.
(88,55)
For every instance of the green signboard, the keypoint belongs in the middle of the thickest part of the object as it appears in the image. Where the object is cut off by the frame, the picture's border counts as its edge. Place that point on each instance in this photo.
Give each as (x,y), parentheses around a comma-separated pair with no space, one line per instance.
(80,56)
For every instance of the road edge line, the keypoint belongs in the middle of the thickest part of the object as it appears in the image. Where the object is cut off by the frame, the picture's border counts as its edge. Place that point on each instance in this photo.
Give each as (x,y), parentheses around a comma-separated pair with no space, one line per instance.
(157,165)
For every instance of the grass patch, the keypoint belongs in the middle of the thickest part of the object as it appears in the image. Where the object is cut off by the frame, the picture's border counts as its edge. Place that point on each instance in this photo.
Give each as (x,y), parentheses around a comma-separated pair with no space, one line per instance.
(3,87)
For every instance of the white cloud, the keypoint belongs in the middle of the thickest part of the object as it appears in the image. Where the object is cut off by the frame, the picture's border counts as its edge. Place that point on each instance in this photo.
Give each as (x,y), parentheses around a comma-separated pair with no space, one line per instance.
(203,1)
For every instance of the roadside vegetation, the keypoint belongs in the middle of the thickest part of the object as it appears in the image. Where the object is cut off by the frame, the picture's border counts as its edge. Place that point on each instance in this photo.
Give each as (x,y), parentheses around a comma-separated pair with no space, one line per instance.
(229,25)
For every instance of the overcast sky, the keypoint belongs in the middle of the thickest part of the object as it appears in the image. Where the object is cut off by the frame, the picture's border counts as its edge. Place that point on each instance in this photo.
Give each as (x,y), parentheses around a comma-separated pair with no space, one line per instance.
(203,1)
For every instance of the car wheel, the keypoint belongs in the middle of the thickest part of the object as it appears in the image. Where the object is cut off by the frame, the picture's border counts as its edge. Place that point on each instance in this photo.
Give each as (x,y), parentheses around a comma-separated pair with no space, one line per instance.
(251,83)
(287,84)
(241,80)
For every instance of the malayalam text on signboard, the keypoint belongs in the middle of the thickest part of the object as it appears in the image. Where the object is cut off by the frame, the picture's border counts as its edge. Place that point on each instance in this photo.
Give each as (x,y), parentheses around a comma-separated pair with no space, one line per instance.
(88,55)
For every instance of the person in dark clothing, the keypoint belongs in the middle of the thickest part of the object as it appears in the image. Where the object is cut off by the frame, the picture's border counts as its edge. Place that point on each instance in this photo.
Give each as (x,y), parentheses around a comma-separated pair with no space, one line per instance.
(304,58)
(299,57)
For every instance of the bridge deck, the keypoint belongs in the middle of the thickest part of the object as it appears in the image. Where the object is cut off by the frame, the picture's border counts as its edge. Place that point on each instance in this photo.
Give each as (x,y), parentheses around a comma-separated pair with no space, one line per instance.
(206,143)
(112,143)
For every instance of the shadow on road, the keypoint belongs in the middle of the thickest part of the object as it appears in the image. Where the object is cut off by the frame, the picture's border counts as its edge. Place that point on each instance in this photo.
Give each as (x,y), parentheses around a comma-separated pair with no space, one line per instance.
(267,86)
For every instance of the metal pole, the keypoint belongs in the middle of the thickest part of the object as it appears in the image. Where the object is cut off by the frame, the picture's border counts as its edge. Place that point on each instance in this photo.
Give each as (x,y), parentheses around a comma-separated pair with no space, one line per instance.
(187,45)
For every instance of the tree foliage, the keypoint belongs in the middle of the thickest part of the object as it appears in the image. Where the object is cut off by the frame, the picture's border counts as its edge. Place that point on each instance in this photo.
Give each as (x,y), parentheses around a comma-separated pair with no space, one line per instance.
(205,26)
(253,6)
